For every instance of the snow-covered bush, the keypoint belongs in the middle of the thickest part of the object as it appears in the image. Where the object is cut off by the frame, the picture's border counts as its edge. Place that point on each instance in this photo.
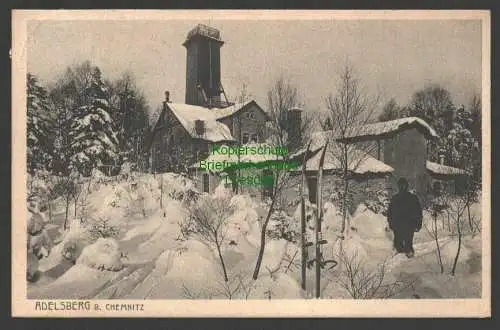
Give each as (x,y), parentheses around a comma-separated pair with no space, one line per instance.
(75,240)
(363,281)
(178,187)
(209,217)
(283,226)
(32,266)
(377,201)
(104,254)
(102,228)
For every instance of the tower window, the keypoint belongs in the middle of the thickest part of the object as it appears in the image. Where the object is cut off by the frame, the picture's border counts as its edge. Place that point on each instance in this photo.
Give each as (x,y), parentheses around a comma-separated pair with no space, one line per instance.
(245,138)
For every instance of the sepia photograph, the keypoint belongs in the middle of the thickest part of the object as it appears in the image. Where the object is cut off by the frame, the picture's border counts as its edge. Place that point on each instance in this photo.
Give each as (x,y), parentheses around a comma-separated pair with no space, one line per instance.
(222,156)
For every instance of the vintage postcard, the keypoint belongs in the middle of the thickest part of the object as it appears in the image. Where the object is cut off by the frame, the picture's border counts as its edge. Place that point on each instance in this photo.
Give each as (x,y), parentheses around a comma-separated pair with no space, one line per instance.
(251,163)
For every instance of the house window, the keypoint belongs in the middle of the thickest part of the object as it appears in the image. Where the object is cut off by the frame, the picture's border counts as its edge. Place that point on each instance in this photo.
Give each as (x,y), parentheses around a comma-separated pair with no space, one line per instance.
(254,138)
(206,183)
(250,115)
(245,138)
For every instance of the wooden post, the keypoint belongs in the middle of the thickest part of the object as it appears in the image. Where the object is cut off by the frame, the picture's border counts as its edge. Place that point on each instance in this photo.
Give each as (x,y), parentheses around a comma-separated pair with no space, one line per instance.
(319,209)
(303,221)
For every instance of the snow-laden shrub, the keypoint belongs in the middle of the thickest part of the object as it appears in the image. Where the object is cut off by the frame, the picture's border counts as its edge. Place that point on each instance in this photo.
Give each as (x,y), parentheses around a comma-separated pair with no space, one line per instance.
(278,286)
(40,183)
(75,240)
(283,226)
(377,201)
(32,266)
(104,254)
(102,228)
(210,221)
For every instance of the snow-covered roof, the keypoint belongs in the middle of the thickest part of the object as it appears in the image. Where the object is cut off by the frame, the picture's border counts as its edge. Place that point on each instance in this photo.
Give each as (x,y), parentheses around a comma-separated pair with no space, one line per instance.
(439,169)
(187,115)
(228,111)
(392,126)
(359,162)
(248,157)
(233,109)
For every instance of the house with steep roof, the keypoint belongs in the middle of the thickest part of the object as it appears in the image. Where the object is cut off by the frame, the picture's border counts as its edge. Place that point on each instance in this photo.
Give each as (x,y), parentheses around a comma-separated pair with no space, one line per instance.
(405,144)
(390,150)
(185,132)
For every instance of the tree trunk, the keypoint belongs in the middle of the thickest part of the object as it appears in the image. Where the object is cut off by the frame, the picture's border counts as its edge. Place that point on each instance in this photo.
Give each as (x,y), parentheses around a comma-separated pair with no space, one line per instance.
(437,243)
(459,232)
(471,225)
(345,206)
(66,217)
(263,239)
(222,261)
(448,217)
(50,209)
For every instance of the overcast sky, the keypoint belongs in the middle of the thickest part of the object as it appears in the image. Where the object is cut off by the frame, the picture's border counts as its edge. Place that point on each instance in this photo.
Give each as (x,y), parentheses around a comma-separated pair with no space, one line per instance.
(392,58)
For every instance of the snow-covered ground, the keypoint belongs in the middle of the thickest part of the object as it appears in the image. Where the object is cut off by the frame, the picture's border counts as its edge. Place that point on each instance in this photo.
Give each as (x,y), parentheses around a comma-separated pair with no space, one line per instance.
(148,256)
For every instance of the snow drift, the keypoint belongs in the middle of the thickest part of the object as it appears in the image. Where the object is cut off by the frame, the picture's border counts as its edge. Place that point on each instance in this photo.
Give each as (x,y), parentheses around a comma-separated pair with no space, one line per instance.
(104,254)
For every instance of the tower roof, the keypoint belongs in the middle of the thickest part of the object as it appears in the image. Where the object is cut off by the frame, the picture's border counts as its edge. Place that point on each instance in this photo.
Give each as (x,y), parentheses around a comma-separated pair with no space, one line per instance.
(205,31)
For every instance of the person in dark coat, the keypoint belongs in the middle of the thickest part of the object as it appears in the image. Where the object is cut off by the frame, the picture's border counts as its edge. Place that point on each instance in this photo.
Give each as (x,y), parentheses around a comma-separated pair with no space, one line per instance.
(405,218)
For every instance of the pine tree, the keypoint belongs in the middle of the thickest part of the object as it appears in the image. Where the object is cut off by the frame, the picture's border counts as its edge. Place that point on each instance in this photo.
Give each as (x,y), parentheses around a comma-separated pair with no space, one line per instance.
(39,127)
(93,138)
(130,116)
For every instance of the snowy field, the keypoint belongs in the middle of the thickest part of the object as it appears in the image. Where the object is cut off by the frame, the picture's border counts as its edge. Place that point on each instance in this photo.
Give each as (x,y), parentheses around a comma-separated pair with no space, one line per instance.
(130,247)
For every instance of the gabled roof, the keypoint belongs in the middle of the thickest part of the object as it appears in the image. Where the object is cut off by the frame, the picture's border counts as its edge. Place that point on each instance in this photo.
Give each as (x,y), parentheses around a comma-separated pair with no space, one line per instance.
(187,115)
(386,128)
(359,163)
(235,108)
(215,131)
(444,170)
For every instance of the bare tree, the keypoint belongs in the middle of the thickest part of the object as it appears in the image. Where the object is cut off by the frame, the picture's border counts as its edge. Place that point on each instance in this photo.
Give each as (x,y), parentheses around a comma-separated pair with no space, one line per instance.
(436,208)
(282,97)
(364,283)
(244,95)
(456,208)
(349,110)
(280,181)
(209,218)
(390,111)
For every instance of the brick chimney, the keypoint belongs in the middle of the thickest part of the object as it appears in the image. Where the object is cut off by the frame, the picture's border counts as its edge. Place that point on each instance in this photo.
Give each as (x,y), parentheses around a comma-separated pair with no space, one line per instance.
(294,124)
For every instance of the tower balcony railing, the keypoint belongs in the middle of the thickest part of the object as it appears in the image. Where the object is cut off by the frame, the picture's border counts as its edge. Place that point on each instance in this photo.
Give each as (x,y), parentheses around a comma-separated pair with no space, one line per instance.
(218,103)
(204,30)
